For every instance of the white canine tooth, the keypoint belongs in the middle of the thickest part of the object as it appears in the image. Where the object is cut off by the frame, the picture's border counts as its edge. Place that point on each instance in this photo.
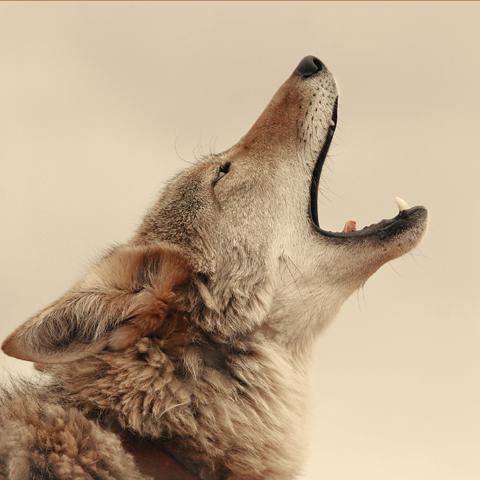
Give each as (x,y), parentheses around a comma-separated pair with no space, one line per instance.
(402,204)
(332,123)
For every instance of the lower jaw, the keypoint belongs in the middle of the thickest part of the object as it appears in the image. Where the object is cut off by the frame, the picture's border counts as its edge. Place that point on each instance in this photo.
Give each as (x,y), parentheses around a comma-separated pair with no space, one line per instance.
(385,229)
(382,230)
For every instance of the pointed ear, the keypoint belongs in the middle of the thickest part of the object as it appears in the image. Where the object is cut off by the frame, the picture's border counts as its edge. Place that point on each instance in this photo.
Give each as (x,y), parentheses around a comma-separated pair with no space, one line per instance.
(126,295)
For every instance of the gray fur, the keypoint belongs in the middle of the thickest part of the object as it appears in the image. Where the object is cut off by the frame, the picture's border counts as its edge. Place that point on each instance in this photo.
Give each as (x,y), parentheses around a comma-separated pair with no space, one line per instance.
(198,332)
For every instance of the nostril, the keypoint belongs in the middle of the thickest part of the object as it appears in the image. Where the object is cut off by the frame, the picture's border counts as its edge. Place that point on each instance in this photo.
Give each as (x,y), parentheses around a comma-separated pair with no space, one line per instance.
(309,66)
(318,63)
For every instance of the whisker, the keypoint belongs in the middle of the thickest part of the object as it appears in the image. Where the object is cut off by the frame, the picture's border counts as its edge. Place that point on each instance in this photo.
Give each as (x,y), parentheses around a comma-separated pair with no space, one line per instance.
(180,157)
(393,268)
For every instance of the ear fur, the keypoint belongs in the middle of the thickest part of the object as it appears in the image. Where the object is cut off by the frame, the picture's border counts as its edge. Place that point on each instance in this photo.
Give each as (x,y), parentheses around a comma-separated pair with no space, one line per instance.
(126,295)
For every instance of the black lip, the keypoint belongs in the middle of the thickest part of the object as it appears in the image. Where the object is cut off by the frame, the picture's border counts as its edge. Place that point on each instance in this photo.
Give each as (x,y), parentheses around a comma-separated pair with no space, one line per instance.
(384,229)
(317,169)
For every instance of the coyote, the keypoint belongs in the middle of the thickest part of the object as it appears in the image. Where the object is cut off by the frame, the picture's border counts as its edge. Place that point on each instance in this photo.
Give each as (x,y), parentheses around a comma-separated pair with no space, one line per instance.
(187,348)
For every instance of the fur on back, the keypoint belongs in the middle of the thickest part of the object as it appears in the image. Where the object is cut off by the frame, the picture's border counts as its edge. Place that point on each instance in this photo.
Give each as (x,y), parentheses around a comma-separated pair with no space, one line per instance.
(225,404)
(43,439)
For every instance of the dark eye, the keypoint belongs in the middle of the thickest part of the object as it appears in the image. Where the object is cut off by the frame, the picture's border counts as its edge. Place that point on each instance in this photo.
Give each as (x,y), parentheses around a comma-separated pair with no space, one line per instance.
(222,171)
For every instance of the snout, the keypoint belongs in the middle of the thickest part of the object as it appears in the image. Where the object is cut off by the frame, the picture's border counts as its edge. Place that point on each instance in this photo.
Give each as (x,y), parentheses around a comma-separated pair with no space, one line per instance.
(299,116)
(309,66)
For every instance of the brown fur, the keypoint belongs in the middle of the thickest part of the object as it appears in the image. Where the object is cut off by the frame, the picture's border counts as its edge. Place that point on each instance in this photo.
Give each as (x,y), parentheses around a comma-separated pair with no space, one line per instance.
(192,340)
(133,284)
(44,440)
(159,374)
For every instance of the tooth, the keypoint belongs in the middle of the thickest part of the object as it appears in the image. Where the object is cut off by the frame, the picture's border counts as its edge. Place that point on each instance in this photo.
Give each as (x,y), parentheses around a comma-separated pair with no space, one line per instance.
(402,204)
(332,123)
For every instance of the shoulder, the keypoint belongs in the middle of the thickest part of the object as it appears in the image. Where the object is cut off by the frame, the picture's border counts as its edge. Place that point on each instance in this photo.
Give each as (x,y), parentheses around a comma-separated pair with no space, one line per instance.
(46,440)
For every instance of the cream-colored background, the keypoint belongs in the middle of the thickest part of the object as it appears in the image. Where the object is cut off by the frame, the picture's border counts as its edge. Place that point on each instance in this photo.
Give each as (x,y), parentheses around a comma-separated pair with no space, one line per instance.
(101,103)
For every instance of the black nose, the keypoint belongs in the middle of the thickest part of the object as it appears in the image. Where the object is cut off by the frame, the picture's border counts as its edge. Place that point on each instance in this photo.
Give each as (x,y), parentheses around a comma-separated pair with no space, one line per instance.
(309,66)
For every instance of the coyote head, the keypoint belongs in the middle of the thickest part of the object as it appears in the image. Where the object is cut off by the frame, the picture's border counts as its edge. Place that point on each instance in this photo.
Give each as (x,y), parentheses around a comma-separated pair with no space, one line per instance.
(241,226)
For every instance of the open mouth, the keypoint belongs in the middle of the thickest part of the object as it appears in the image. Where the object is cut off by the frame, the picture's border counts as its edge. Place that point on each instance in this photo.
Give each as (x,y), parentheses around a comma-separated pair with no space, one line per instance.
(386,228)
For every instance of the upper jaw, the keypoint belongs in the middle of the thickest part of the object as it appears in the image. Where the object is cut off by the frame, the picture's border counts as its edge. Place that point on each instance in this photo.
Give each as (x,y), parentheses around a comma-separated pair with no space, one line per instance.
(326,115)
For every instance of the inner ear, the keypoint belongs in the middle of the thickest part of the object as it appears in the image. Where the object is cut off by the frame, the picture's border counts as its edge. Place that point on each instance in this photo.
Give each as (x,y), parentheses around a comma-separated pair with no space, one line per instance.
(126,295)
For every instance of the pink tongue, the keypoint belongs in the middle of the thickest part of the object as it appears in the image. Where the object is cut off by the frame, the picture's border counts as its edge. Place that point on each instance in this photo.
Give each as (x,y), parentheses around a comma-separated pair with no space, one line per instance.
(350,226)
